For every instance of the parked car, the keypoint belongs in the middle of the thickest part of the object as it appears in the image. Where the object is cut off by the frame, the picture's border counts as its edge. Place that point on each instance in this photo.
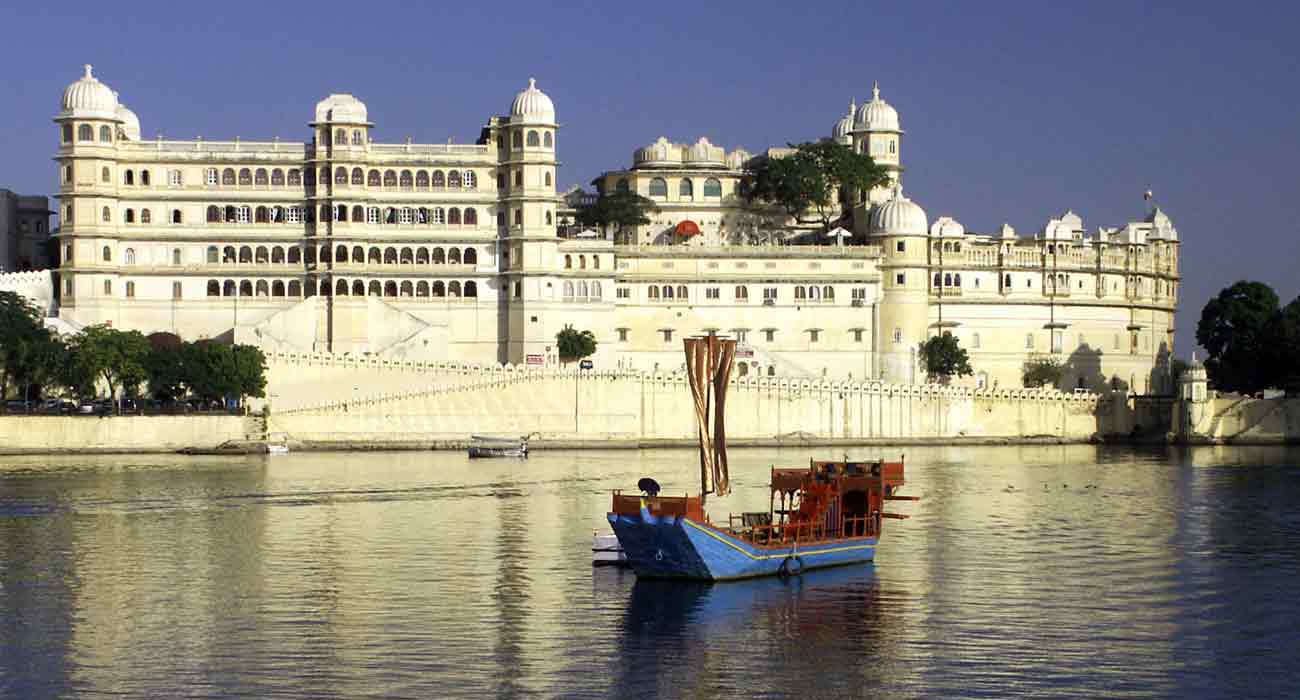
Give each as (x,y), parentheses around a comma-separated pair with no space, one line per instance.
(17,407)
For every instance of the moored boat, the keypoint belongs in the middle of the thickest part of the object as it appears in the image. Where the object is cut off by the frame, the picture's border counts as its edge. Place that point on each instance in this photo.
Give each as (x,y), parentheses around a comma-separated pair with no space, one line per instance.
(482,446)
(827,514)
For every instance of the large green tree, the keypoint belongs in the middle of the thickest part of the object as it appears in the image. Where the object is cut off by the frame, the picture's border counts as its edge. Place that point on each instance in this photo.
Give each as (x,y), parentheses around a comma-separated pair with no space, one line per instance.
(1041,371)
(20,332)
(944,358)
(1282,349)
(622,210)
(165,366)
(215,372)
(1234,330)
(575,344)
(812,178)
(101,353)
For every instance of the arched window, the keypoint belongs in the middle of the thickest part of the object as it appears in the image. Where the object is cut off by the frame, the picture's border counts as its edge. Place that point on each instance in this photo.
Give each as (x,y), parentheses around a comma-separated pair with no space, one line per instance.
(548,218)
(956,280)
(144,178)
(228,176)
(214,288)
(517,140)
(422,180)
(358,254)
(263,289)
(439,216)
(582,289)
(582,262)
(405,290)
(469,180)
(685,188)
(453,256)
(658,187)
(519,217)
(358,177)
(260,178)
(106,176)
(358,214)
(130,216)
(421,256)
(439,290)
(262,215)
(568,290)
(228,289)
(176,216)
(128,177)
(471,290)
(145,217)
(108,215)
(262,255)
(107,254)
(67,133)
(295,288)
(277,288)
(245,254)
(295,178)
(453,179)
(439,256)
(245,177)
(341,288)
(668,291)
(340,176)
(358,138)
(129,256)
(228,254)
(471,216)
(652,292)
(85,132)
(621,185)
(406,181)
(547,179)
(372,215)
(390,289)
(246,288)
(405,256)
(595,290)
(374,256)
(568,262)
(453,216)
(372,178)
(106,134)
(800,294)
(358,288)
(1006,282)
(548,140)
(213,254)
(595,262)
(277,178)
(277,255)
(470,257)
(439,179)
(712,187)
(390,178)
(340,137)
(534,140)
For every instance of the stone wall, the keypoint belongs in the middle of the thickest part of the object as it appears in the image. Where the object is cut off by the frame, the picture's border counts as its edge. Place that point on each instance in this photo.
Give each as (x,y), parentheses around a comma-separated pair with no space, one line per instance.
(1238,420)
(624,405)
(120,433)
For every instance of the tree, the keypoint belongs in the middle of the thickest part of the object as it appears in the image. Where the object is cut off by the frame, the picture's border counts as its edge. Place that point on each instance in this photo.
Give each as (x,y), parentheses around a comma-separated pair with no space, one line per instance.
(21,335)
(204,363)
(944,357)
(1233,330)
(249,371)
(1282,349)
(1041,371)
(812,178)
(165,367)
(115,357)
(575,344)
(620,210)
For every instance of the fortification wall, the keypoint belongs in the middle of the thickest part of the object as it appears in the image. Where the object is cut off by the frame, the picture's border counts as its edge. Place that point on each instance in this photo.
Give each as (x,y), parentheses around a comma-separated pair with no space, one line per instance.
(634,406)
(1240,420)
(120,433)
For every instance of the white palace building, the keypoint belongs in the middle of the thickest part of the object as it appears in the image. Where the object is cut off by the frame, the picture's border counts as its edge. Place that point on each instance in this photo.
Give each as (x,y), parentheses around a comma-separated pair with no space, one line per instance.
(450,252)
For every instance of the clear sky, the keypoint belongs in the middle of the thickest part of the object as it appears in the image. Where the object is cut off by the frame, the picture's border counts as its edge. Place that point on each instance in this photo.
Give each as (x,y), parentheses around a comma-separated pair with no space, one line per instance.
(1013,111)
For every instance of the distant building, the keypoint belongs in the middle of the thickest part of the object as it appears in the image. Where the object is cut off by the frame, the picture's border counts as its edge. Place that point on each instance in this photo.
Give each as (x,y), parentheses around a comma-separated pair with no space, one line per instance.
(24,232)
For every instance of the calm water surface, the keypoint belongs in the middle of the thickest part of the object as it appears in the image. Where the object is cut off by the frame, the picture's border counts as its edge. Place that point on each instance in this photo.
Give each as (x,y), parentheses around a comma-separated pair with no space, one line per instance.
(1027,572)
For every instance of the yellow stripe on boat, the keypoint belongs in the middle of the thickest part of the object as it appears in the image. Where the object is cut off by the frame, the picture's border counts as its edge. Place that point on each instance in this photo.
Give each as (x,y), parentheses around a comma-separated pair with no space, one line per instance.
(802,552)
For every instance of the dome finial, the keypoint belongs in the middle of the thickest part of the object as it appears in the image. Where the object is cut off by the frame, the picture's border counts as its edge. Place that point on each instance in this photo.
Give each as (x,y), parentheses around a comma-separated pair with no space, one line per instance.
(853,105)
(88,75)
(875,89)
(532,83)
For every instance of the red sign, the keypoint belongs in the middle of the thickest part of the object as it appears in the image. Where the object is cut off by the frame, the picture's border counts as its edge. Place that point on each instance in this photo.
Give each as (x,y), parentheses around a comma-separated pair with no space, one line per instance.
(533,359)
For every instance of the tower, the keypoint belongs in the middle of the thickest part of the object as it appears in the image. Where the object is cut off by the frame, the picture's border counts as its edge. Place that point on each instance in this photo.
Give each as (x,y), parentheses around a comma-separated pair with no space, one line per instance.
(899,226)
(876,133)
(526,223)
(91,122)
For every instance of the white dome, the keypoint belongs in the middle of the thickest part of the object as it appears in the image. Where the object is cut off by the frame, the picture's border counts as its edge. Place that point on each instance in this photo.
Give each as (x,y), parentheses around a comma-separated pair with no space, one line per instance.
(341,107)
(947,227)
(843,130)
(899,216)
(130,122)
(533,105)
(876,115)
(736,159)
(705,153)
(89,99)
(661,152)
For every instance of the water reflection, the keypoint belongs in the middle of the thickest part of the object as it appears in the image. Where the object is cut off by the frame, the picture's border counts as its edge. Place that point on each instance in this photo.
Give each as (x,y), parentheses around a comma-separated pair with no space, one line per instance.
(1055,570)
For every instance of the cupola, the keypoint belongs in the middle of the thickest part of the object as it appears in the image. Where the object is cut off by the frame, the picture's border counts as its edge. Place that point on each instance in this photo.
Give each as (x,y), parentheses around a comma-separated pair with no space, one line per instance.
(88,99)
(876,115)
(532,106)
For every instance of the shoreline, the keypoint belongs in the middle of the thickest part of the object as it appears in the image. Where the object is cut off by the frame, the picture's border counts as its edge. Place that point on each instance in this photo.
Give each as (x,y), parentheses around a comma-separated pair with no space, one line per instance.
(258,447)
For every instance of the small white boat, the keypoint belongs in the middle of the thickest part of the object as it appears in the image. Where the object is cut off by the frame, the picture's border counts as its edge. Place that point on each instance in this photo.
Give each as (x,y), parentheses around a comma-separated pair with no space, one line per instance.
(483,446)
(606,551)
(274,449)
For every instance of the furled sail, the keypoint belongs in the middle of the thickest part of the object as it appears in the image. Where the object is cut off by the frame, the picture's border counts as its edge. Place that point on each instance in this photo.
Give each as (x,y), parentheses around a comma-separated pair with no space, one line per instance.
(708,364)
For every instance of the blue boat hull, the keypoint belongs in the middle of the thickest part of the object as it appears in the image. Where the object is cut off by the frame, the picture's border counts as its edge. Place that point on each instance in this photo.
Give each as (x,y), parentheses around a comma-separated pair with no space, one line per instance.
(678,547)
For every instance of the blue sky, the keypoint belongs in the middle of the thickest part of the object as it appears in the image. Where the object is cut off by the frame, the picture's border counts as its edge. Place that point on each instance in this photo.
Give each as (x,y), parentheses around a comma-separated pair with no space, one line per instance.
(1013,111)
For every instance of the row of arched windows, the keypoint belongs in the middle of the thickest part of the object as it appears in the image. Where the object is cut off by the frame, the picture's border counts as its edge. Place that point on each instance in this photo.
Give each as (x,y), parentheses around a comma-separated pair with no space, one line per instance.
(685,187)
(341,254)
(581,290)
(341,137)
(949,279)
(814,293)
(435,216)
(247,177)
(668,292)
(86,133)
(145,217)
(535,140)
(422,289)
(582,262)
(406,179)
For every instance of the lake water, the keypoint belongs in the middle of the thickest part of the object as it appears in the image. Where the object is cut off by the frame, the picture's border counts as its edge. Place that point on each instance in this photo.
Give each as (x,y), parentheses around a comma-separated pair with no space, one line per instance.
(1026,571)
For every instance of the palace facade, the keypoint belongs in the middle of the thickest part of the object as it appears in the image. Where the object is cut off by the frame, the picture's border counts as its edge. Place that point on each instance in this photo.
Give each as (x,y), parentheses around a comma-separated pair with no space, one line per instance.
(341,244)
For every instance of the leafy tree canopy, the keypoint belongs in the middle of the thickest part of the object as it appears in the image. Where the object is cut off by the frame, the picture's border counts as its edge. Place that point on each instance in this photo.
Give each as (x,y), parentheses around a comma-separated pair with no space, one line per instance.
(811,178)
(945,358)
(1041,371)
(622,210)
(1233,329)
(24,340)
(101,353)
(575,344)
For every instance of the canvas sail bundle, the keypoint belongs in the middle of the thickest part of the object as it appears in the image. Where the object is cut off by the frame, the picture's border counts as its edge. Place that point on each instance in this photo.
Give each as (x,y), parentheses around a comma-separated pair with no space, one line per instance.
(708,367)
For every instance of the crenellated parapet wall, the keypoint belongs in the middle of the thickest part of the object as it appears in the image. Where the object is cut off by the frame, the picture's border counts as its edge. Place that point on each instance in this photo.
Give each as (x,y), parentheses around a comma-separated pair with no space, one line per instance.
(37,286)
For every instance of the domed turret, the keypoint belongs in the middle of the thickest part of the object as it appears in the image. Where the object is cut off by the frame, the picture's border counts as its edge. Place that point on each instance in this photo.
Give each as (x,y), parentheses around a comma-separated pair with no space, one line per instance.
(705,153)
(947,227)
(89,99)
(736,159)
(661,152)
(130,122)
(899,216)
(341,108)
(533,106)
(842,133)
(876,115)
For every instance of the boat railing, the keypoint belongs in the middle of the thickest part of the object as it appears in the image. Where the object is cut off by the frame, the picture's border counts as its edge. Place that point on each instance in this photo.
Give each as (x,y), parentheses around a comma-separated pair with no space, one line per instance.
(801,531)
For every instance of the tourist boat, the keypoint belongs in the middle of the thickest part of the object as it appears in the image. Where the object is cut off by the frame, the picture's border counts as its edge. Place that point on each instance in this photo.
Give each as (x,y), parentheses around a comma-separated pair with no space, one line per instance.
(827,514)
(486,446)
